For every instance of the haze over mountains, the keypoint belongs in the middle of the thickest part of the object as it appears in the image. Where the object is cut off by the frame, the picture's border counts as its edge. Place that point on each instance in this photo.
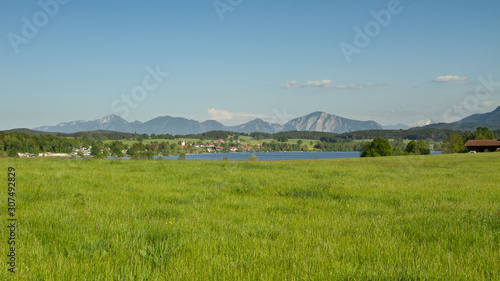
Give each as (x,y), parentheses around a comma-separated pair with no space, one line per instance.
(316,121)
(419,123)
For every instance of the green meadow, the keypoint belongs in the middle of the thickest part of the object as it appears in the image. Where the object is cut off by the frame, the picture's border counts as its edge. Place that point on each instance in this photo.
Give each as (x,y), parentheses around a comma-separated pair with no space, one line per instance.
(391,218)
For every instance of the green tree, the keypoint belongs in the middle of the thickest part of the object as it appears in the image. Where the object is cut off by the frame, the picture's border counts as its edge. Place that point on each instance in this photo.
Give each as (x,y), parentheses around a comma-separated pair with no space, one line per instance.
(105,152)
(166,150)
(281,138)
(424,148)
(482,133)
(116,148)
(35,150)
(398,146)
(418,148)
(137,150)
(454,143)
(96,151)
(412,148)
(149,154)
(378,147)
(253,157)
(437,147)
(12,153)
(398,151)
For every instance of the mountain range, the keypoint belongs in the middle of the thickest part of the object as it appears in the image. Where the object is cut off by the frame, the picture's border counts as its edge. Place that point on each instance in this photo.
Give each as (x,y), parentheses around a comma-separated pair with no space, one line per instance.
(317,121)
(415,124)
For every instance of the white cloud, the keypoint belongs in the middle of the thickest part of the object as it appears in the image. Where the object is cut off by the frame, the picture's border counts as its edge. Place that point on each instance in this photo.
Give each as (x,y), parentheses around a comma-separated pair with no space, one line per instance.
(375,84)
(328,84)
(320,84)
(451,79)
(291,84)
(353,86)
(221,115)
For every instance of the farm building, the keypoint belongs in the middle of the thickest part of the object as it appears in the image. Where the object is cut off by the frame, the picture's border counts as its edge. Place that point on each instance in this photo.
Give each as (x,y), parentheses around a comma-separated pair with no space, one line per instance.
(483,145)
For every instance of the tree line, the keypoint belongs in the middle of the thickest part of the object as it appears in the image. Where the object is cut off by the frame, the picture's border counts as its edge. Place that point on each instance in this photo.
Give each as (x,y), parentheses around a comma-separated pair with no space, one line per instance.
(422,141)
(453,143)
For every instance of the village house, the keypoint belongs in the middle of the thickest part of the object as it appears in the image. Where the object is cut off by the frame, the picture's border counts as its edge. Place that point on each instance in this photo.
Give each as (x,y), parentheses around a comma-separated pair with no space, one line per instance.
(25,155)
(185,145)
(483,145)
(246,147)
(83,149)
(50,154)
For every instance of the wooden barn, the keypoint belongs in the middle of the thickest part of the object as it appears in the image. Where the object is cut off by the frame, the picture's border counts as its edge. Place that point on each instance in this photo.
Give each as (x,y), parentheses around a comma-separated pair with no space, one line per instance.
(483,145)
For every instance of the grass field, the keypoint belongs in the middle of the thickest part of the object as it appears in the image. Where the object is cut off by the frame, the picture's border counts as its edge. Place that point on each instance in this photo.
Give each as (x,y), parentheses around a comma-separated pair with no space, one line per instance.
(396,218)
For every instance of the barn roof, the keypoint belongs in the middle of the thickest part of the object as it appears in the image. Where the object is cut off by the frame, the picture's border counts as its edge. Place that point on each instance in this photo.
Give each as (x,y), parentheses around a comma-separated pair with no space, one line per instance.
(482,143)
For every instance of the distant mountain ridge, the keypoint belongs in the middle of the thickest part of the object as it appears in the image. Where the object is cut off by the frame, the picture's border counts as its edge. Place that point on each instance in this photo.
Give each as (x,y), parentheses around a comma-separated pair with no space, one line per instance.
(317,121)
(490,120)
(419,123)
(323,122)
(489,117)
(109,122)
(398,126)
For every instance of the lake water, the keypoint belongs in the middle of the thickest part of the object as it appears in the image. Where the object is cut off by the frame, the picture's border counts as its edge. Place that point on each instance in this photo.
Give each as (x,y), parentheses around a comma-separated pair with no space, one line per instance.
(270,156)
(267,156)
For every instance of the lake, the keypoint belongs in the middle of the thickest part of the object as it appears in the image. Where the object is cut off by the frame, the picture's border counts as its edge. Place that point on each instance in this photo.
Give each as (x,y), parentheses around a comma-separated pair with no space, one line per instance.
(267,156)
(270,156)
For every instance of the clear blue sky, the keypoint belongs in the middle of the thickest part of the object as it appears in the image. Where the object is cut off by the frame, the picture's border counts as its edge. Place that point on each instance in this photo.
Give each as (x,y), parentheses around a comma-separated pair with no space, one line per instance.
(270,59)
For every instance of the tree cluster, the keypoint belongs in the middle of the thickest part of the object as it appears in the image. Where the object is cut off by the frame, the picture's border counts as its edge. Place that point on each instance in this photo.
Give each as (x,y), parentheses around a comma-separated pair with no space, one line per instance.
(13,143)
(437,135)
(382,147)
(455,141)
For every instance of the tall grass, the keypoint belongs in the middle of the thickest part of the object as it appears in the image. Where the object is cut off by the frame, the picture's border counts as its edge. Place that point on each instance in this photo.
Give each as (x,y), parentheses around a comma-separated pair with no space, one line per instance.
(410,218)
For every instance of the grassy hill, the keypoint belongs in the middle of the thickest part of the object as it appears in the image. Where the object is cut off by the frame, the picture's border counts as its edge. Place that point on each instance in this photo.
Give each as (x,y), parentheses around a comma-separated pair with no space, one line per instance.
(422,217)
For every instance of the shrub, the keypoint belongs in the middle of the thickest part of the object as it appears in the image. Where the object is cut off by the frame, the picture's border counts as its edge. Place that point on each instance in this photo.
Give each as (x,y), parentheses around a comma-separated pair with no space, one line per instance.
(378,147)
(252,158)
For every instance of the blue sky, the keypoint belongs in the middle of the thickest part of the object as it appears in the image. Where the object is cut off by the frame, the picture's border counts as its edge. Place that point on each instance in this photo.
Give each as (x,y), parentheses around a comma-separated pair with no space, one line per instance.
(275,60)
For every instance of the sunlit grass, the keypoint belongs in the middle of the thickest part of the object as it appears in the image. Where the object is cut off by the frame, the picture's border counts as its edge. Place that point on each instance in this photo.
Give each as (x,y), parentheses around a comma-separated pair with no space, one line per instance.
(421,217)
